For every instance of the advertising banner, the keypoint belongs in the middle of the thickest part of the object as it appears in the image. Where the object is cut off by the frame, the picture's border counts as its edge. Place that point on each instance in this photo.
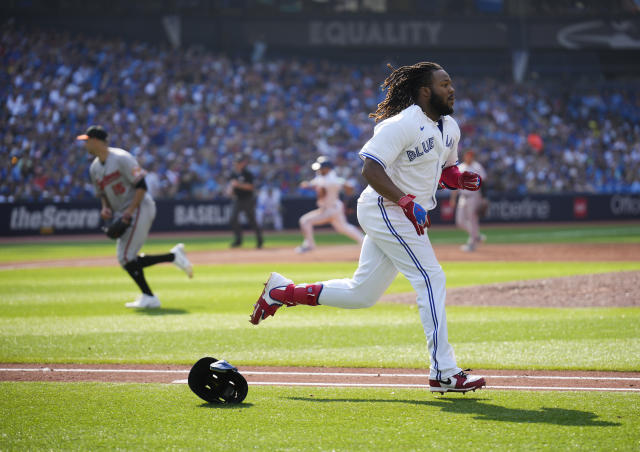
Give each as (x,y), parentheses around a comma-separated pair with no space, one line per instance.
(84,217)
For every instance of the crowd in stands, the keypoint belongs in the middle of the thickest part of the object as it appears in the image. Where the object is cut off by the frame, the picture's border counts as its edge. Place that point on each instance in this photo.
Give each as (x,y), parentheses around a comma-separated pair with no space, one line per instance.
(185,113)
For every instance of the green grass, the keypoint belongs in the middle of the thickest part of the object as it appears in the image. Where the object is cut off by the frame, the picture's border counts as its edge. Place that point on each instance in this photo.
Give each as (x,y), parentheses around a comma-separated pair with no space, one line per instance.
(68,249)
(100,416)
(76,315)
(58,315)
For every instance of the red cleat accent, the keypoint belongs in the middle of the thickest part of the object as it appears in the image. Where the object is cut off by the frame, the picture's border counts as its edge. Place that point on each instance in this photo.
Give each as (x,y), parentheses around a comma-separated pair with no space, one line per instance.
(262,310)
(460,382)
(267,306)
(280,291)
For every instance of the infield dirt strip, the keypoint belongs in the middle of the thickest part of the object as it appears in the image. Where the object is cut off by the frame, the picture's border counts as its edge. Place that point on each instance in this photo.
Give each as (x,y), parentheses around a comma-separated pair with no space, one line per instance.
(324,376)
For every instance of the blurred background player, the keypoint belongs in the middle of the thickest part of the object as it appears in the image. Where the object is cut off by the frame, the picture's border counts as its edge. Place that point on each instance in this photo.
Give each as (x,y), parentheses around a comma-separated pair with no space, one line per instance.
(269,208)
(242,190)
(120,184)
(327,185)
(468,204)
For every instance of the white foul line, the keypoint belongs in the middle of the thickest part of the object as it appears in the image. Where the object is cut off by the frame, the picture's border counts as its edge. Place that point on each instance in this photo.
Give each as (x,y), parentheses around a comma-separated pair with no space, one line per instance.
(352,374)
(332,374)
(402,385)
(562,388)
(117,371)
(355,374)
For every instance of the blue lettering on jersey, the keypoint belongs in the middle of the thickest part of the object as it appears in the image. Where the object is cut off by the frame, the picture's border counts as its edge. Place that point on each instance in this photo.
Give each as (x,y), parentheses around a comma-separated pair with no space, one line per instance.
(449,141)
(427,146)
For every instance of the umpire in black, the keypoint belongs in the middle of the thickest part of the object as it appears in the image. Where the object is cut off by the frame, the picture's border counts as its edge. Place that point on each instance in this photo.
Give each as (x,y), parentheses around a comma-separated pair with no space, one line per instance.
(244,200)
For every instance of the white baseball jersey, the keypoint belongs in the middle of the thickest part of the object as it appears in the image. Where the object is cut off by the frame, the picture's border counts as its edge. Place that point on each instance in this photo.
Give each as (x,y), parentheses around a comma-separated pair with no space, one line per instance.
(413,150)
(332,183)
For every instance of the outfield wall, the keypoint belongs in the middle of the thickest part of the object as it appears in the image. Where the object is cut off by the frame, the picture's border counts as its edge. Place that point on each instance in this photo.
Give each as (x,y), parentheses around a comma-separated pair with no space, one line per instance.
(84,217)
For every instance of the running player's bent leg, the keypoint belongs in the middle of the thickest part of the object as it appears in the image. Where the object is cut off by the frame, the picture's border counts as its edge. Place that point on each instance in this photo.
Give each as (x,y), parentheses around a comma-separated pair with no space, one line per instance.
(134,237)
(146,260)
(131,242)
(137,274)
(308,220)
(341,225)
(462,220)
(474,221)
(413,256)
(374,274)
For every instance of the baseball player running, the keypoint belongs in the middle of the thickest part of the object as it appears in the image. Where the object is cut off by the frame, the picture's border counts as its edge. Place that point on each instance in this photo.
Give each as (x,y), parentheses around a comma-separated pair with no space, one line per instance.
(330,209)
(120,185)
(413,147)
(467,204)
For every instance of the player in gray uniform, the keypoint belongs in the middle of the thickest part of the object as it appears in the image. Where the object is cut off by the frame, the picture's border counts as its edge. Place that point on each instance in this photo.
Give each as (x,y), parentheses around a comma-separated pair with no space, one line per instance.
(120,185)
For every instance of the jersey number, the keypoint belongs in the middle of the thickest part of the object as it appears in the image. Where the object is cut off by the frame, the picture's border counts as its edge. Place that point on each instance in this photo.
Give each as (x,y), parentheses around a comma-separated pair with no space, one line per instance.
(118,188)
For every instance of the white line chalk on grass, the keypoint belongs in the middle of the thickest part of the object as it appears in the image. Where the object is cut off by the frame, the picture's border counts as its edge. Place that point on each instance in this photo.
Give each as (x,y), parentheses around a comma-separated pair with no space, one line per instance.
(352,374)
(402,385)
(328,374)
(117,371)
(321,374)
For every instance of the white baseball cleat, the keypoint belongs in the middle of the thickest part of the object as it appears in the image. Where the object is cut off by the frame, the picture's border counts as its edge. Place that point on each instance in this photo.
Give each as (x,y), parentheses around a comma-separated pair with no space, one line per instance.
(266,306)
(468,247)
(180,260)
(304,249)
(145,301)
(460,382)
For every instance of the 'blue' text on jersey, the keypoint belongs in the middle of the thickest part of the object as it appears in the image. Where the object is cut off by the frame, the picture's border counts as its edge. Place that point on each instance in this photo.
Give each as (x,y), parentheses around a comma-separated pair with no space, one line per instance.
(416,152)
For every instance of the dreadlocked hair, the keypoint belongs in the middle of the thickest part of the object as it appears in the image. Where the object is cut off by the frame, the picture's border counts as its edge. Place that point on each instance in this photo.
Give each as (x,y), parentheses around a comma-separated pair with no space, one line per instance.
(402,87)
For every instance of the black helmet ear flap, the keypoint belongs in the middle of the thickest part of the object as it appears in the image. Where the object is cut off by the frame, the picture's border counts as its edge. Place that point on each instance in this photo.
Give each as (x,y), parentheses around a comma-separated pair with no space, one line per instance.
(217,381)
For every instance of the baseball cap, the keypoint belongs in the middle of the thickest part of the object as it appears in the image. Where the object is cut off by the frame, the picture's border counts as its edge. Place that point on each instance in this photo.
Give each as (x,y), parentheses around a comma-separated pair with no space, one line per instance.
(322,162)
(94,132)
(241,158)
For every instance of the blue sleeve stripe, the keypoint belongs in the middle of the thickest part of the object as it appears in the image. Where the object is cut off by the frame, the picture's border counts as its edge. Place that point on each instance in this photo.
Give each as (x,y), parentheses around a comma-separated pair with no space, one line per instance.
(364,154)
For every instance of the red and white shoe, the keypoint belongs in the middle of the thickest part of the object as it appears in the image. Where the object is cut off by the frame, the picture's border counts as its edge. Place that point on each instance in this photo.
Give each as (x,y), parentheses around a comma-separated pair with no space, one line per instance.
(460,382)
(267,306)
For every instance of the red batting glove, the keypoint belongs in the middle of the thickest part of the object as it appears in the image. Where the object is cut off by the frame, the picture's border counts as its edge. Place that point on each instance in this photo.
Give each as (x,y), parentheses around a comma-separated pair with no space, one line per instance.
(470,181)
(452,178)
(415,213)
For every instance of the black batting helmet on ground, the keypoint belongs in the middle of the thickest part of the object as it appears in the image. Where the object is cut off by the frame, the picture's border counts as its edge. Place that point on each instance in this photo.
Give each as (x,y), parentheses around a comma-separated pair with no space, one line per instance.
(217,381)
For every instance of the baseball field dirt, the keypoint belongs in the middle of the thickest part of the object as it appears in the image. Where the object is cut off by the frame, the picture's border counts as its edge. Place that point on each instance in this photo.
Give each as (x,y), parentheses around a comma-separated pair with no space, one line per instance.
(488,252)
(575,291)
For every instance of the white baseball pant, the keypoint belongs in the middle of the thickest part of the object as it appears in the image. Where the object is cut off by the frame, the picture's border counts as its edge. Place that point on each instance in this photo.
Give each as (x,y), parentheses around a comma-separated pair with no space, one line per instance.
(467,216)
(391,245)
(333,215)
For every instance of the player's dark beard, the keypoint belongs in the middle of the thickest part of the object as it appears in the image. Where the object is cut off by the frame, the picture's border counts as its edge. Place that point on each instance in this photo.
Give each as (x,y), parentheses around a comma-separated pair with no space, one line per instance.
(439,105)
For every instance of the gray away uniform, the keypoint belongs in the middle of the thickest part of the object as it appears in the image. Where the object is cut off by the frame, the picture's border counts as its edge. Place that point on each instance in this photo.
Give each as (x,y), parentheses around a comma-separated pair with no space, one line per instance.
(115,179)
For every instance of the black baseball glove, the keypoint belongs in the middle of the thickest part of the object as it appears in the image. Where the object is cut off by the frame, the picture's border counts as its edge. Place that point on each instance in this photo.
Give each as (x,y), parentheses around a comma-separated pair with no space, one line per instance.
(116,228)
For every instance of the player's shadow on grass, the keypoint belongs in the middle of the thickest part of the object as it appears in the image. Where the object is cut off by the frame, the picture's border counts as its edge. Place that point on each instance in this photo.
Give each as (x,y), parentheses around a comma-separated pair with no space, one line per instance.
(225,406)
(490,412)
(161,311)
